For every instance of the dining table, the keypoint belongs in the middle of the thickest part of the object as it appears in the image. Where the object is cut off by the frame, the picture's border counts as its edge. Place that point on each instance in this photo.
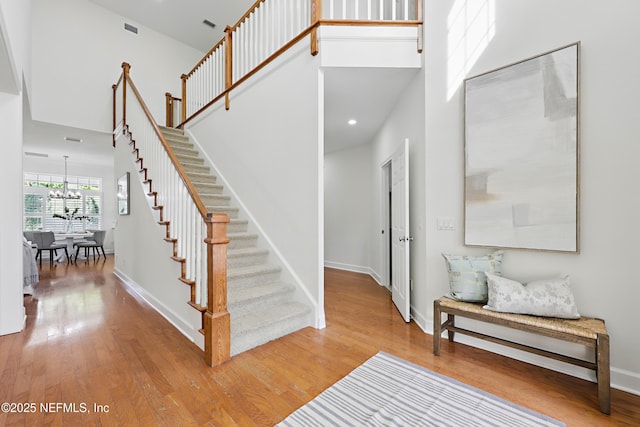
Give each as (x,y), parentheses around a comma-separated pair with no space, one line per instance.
(70,239)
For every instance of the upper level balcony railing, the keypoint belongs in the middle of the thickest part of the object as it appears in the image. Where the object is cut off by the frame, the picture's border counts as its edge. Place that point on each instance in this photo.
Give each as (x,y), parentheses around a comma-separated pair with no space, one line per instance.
(268,29)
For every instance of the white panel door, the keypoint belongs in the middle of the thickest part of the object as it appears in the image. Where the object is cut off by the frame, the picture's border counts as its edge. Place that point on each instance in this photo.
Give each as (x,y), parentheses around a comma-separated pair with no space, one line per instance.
(400,237)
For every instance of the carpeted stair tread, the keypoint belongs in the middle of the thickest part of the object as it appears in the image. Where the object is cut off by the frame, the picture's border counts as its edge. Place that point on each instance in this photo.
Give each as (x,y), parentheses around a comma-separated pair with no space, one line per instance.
(189,158)
(206,188)
(172,131)
(190,168)
(241,240)
(230,211)
(241,257)
(236,225)
(259,327)
(258,273)
(215,199)
(246,300)
(240,252)
(201,177)
(185,151)
(178,143)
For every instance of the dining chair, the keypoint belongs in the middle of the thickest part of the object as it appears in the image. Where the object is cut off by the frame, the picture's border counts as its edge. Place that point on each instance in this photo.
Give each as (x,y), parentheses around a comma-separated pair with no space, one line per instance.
(29,236)
(46,241)
(96,244)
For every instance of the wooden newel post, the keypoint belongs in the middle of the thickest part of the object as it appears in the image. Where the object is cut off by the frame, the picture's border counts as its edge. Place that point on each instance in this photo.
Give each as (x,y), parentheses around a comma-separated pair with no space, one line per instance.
(420,30)
(228,63)
(316,14)
(125,76)
(217,322)
(184,78)
(168,106)
(113,135)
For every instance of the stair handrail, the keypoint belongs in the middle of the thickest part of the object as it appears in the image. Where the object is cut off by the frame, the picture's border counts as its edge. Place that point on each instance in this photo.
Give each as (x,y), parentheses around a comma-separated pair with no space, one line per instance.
(315,22)
(215,319)
(176,163)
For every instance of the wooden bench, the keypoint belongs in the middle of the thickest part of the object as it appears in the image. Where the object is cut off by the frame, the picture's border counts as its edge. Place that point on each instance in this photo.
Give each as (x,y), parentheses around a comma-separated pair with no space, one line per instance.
(586,331)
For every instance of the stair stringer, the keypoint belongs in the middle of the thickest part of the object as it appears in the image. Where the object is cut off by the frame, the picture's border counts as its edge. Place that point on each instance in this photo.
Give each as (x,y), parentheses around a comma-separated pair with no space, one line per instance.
(275,255)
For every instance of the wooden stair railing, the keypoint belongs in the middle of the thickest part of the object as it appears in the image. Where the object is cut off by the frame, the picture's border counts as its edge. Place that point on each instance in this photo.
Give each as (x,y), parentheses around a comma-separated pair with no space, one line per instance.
(209,288)
(248,46)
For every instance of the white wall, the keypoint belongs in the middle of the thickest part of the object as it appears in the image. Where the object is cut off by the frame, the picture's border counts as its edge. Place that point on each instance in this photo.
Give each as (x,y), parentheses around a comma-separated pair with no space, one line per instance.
(347,208)
(406,120)
(11,308)
(76,168)
(602,275)
(14,29)
(78,49)
(270,153)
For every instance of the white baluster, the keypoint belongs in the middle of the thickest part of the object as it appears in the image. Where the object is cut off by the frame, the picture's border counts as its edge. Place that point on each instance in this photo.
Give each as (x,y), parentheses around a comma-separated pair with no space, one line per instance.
(238,51)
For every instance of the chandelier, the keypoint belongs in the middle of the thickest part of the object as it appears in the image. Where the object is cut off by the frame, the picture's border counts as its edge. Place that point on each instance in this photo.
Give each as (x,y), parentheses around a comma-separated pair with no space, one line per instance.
(65,193)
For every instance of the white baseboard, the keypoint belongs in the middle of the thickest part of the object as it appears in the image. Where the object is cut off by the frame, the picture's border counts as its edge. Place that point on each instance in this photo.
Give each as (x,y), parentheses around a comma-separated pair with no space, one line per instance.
(420,320)
(354,269)
(179,323)
(346,267)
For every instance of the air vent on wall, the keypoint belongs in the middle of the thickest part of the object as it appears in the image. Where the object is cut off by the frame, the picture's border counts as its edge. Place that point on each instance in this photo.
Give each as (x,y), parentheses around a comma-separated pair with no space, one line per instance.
(131,28)
(71,139)
(31,153)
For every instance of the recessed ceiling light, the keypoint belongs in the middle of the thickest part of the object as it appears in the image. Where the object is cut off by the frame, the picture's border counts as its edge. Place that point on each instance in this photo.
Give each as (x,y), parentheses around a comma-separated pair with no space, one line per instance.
(352,122)
(209,23)
(71,139)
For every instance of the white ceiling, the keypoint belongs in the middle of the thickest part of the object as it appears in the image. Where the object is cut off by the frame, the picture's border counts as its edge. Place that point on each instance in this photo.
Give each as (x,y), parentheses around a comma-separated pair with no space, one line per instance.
(367,95)
(182,19)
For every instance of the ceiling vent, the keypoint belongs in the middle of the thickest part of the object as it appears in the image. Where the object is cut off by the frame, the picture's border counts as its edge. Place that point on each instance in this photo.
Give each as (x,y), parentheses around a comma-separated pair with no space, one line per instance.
(209,23)
(131,28)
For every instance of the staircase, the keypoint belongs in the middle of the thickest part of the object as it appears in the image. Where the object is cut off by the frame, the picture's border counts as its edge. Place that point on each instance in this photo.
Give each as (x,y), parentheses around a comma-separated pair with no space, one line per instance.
(261,306)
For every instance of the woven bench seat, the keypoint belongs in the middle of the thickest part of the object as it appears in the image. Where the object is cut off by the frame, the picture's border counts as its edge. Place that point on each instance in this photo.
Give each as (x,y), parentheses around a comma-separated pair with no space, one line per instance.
(587,331)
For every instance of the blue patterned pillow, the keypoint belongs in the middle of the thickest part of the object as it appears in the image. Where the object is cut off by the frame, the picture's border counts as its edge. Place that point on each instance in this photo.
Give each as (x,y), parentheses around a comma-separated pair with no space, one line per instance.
(467,278)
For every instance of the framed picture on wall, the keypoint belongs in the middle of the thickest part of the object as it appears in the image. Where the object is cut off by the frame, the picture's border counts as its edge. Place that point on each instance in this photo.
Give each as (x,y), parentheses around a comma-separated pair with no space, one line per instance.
(522,154)
(123,194)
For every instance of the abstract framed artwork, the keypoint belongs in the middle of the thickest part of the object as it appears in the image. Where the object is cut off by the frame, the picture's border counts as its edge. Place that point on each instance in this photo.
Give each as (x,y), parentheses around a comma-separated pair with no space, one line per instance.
(522,154)
(123,194)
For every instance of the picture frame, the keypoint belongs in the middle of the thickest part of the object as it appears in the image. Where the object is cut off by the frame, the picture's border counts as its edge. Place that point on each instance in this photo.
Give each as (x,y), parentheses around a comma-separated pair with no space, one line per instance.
(521,166)
(123,194)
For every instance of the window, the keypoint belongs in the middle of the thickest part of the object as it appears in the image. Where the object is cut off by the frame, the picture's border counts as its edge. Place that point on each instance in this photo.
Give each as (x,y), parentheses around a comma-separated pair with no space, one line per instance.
(42,212)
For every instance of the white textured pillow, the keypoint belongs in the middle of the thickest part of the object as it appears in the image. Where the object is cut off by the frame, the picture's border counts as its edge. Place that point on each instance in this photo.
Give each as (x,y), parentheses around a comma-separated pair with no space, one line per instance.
(548,298)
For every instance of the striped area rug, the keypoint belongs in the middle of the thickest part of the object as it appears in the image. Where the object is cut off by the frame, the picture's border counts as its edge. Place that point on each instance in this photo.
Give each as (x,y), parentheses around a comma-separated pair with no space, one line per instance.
(388,391)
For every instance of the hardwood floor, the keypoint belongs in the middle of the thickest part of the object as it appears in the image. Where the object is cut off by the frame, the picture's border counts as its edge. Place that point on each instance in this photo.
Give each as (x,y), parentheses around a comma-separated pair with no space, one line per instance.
(88,342)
